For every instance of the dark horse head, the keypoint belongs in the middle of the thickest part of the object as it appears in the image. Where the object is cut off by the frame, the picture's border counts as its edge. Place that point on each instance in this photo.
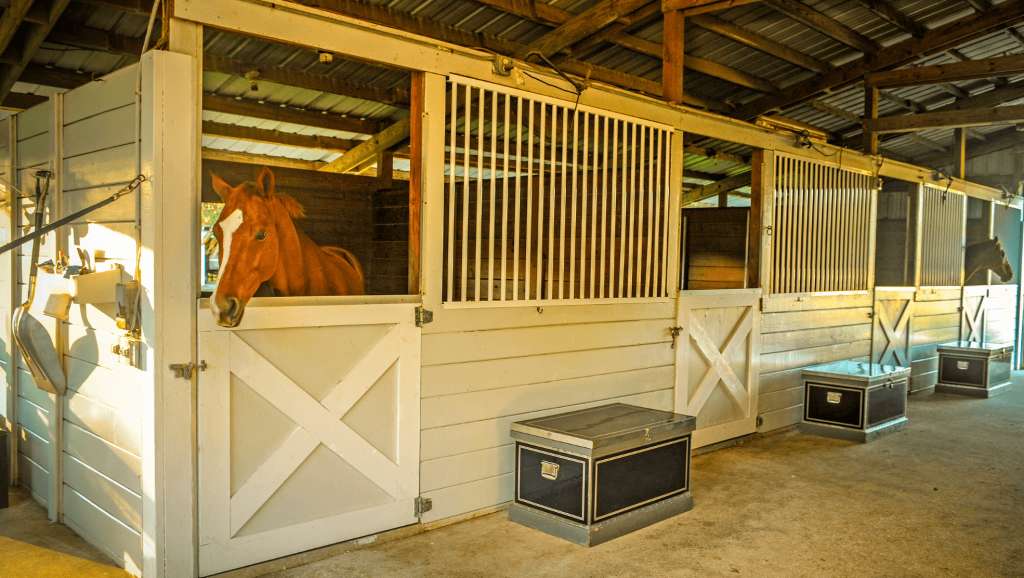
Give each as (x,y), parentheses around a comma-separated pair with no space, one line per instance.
(987,255)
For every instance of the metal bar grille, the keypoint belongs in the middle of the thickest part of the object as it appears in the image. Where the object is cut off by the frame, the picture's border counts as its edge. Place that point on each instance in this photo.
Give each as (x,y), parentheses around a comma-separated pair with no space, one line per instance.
(550,201)
(821,227)
(943,223)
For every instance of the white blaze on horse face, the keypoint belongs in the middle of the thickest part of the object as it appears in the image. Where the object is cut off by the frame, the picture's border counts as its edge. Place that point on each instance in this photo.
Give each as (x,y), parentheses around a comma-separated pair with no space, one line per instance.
(227,227)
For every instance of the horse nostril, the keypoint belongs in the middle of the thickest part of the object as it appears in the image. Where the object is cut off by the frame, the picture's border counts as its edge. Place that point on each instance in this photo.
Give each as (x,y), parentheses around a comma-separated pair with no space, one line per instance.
(232,307)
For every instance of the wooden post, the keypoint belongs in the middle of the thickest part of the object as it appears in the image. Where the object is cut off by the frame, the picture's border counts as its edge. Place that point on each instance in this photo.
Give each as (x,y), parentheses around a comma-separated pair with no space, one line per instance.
(13,297)
(416,159)
(672,57)
(723,199)
(959,152)
(870,111)
(432,167)
(675,186)
(762,201)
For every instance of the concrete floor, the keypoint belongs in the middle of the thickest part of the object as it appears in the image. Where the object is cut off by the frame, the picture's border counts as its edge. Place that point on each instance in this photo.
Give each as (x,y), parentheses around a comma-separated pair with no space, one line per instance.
(33,547)
(943,498)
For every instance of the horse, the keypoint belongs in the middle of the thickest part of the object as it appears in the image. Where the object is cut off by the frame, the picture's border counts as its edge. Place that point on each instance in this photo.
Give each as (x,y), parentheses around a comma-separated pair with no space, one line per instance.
(261,247)
(987,255)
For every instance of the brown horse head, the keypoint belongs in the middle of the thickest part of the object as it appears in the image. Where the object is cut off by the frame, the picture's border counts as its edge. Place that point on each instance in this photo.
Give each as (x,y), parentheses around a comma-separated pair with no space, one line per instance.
(987,255)
(249,231)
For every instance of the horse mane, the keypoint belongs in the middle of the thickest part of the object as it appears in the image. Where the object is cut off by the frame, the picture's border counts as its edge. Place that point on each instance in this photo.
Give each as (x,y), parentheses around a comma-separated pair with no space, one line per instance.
(291,206)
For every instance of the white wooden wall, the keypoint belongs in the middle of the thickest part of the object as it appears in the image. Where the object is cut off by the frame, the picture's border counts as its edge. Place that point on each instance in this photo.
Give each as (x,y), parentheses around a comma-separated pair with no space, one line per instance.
(36,411)
(486,368)
(103,407)
(7,396)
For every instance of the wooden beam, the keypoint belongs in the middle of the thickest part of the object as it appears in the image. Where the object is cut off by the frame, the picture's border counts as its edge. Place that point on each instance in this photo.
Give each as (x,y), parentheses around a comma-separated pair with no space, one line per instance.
(691,7)
(714,189)
(959,152)
(883,10)
(812,18)
(1016,36)
(369,149)
(955,71)
(615,33)
(997,141)
(286,179)
(11,21)
(834,111)
(954,90)
(277,137)
(674,57)
(19,101)
(713,154)
(54,77)
(906,103)
(870,114)
(951,119)
(756,41)
(74,34)
(265,160)
(589,22)
(29,41)
(980,5)
(252,108)
(1001,16)
(431,29)
(316,82)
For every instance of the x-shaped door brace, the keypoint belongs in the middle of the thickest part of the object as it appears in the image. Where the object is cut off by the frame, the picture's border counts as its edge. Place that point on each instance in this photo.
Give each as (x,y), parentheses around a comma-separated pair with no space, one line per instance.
(719,365)
(893,333)
(318,421)
(974,322)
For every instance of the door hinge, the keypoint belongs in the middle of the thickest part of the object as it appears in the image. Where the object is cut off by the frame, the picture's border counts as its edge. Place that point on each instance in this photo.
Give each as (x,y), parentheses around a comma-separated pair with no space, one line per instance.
(760,304)
(185,370)
(423,316)
(422,505)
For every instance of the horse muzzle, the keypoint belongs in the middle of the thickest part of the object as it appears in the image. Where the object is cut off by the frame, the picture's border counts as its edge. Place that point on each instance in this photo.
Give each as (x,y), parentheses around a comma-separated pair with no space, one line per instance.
(227,310)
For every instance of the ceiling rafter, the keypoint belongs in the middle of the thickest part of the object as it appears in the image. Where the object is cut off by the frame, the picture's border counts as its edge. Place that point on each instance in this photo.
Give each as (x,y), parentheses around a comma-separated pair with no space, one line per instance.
(935,40)
(758,42)
(886,12)
(811,18)
(589,22)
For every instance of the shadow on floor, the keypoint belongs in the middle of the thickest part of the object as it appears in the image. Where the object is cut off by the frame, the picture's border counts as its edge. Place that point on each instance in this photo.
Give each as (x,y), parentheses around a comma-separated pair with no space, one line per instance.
(33,547)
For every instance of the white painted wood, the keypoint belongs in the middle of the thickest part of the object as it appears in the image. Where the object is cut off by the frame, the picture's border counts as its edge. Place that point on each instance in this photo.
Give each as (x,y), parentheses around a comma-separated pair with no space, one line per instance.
(116,537)
(108,495)
(740,345)
(476,495)
(113,425)
(119,465)
(105,386)
(225,542)
(108,129)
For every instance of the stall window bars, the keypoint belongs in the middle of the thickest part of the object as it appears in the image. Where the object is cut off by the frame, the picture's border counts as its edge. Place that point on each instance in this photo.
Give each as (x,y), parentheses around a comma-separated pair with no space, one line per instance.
(821,238)
(547,200)
(943,230)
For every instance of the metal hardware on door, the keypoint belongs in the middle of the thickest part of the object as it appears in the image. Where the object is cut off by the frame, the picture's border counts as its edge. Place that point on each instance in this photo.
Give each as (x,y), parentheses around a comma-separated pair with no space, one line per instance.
(768,230)
(676,332)
(184,370)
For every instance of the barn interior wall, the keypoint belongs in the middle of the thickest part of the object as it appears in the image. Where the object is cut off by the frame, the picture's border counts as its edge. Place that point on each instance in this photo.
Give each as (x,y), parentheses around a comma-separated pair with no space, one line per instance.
(8,396)
(486,368)
(716,248)
(102,453)
(894,245)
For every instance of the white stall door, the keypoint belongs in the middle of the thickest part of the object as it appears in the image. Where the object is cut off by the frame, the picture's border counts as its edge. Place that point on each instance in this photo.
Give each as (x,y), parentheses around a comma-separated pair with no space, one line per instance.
(717,362)
(309,429)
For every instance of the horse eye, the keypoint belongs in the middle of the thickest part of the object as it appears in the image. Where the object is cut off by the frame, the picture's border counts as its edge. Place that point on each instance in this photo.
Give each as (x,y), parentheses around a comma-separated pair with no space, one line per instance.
(261,235)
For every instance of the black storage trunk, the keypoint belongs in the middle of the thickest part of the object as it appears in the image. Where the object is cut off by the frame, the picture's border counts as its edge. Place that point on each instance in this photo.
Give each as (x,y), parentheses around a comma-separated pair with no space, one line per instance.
(854,400)
(593,475)
(974,369)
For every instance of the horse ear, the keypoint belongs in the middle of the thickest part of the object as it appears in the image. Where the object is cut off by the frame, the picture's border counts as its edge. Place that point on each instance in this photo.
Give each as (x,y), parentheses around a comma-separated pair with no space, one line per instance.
(265,183)
(996,239)
(292,207)
(222,189)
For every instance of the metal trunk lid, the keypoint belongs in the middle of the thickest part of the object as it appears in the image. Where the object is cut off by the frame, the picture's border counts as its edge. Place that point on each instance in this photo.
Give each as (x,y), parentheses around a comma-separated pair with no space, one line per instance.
(607,425)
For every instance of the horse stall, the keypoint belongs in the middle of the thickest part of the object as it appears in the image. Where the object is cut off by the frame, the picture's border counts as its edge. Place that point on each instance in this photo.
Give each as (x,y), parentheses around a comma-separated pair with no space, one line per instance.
(528,248)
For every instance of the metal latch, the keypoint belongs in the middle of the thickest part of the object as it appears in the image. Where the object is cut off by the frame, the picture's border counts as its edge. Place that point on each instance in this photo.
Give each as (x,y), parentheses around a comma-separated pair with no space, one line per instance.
(676,332)
(422,505)
(423,316)
(184,370)
(963,364)
(833,397)
(549,470)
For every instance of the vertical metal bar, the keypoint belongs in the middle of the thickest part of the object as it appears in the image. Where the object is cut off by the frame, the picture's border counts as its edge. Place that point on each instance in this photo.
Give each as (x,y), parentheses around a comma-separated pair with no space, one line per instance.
(668,192)
(504,200)
(519,188)
(585,241)
(477,273)
(540,201)
(603,280)
(551,199)
(467,126)
(872,230)
(828,240)
(529,204)
(633,201)
(494,189)
(746,254)
(641,161)
(656,240)
(800,197)
(592,167)
(572,214)
(452,159)
(619,207)
(816,227)
(649,195)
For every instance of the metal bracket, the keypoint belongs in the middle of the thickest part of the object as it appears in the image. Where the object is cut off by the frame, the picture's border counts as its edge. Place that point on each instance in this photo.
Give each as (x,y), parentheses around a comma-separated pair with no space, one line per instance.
(185,370)
(423,316)
(676,332)
(502,65)
(422,505)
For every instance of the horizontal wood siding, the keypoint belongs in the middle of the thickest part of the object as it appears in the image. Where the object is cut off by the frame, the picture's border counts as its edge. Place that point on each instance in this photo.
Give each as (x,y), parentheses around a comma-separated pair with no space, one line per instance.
(102,426)
(801,331)
(36,409)
(388,273)
(936,320)
(486,368)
